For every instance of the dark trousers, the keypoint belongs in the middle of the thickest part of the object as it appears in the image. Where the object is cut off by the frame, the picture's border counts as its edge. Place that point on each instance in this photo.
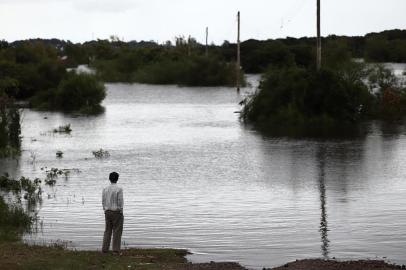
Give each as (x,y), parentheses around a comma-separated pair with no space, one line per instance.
(114,225)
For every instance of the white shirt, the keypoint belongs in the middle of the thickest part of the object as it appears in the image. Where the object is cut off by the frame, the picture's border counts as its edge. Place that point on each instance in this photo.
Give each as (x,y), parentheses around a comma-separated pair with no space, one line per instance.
(112,198)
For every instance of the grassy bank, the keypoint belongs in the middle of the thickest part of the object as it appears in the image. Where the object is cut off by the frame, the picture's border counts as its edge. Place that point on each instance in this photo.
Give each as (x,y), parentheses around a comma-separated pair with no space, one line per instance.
(21,256)
(17,255)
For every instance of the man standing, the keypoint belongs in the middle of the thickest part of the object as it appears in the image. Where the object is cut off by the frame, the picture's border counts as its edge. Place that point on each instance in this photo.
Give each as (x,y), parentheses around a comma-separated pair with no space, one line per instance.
(113,212)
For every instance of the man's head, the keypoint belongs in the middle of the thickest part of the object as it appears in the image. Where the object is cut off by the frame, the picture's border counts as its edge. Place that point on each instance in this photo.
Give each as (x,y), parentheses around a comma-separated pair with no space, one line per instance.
(113,177)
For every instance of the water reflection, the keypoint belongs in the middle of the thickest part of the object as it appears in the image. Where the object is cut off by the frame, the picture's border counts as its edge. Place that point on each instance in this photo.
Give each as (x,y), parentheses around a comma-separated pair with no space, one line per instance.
(321,158)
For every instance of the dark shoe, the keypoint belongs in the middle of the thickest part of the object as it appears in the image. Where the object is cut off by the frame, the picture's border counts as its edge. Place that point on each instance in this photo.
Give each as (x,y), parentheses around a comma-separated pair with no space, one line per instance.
(117,253)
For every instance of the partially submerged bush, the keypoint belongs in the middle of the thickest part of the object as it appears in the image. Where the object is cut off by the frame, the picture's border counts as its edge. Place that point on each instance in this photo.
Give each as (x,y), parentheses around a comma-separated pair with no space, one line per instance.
(302,97)
(13,221)
(76,92)
(101,153)
(79,91)
(390,93)
(23,186)
(63,129)
(305,99)
(10,127)
(53,174)
(59,154)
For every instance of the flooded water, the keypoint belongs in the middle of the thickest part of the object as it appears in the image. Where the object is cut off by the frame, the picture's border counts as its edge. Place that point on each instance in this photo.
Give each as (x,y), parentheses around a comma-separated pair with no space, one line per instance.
(194,177)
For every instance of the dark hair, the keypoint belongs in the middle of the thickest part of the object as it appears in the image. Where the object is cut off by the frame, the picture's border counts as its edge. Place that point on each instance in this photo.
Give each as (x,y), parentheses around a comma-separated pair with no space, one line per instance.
(113,177)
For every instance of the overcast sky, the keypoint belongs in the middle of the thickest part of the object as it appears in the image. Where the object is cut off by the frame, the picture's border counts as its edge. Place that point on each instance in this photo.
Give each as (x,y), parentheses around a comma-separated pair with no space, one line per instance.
(161,20)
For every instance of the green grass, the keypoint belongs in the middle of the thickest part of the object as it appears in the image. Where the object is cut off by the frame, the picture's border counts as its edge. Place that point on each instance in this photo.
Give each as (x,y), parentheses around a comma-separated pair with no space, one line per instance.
(16,255)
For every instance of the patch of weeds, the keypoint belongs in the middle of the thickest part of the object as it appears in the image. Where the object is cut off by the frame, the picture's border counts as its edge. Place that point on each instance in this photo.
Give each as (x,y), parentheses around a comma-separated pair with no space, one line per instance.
(54,173)
(101,153)
(31,188)
(33,157)
(59,154)
(63,129)
(9,152)
(13,221)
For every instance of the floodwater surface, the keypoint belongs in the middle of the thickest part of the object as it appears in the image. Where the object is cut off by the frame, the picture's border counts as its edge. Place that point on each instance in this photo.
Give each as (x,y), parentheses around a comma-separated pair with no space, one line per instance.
(195,177)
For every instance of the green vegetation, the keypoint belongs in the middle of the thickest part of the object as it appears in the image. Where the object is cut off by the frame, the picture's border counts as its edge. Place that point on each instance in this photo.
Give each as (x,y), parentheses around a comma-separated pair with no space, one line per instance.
(53,174)
(13,219)
(59,154)
(294,99)
(35,71)
(31,188)
(101,153)
(256,55)
(15,256)
(10,129)
(63,129)
(182,64)
(388,46)
(76,92)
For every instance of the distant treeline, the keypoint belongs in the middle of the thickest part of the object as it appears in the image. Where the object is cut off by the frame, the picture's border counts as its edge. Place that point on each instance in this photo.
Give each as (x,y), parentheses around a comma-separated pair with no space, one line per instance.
(128,61)
(256,56)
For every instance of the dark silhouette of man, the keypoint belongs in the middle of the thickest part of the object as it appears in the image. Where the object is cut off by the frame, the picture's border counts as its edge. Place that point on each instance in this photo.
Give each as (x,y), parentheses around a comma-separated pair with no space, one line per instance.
(113,212)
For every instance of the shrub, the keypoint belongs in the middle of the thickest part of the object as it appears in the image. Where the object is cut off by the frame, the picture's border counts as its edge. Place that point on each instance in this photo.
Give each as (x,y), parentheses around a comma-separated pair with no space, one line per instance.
(63,129)
(79,91)
(13,221)
(303,98)
(101,153)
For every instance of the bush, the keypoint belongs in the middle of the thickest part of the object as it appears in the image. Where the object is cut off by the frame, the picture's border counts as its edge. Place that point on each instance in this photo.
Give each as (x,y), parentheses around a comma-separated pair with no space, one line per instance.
(76,92)
(305,98)
(13,221)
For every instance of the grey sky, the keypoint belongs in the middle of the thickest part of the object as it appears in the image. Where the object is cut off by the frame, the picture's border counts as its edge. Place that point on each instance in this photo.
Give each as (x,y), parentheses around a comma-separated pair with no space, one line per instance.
(160,20)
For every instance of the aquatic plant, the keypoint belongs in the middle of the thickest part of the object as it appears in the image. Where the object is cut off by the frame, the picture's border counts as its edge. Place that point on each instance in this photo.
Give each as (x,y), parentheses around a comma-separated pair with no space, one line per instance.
(53,174)
(101,153)
(13,221)
(59,154)
(63,129)
(30,189)
(33,157)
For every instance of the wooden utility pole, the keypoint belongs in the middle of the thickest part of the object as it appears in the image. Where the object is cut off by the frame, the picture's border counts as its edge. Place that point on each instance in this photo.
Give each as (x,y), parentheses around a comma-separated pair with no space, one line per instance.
(238,66)
(318,37)
(207,40)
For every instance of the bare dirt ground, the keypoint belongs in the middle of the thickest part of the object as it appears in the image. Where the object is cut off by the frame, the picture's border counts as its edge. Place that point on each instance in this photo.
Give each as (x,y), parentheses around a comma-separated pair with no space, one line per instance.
(338,265)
